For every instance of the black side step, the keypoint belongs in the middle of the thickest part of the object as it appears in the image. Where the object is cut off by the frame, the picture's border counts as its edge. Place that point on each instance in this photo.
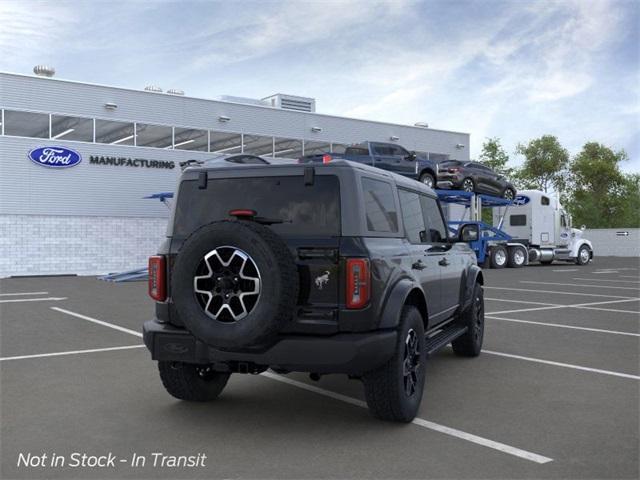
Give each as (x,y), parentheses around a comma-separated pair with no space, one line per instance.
(443,338)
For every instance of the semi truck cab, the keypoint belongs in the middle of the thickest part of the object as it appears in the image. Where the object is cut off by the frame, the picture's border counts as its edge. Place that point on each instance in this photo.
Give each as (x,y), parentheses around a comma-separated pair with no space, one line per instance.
(538,221)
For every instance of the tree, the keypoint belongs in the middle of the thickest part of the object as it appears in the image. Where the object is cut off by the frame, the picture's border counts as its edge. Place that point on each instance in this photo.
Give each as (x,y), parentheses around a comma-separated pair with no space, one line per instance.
(494,156)
(600,195)
(545,163)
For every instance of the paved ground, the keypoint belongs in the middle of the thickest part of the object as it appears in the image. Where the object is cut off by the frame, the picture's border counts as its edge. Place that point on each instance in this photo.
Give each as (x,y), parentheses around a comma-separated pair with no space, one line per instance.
(554,395)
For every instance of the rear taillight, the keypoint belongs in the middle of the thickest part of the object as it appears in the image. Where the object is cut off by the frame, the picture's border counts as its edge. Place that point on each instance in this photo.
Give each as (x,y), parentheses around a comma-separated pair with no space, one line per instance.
(358,282)
(157,278)
(326,158)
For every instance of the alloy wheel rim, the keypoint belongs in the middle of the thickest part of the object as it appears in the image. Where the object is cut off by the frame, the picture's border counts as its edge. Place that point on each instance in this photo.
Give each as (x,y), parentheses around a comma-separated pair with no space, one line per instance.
(508,194)
(227,284)
(518,256)
(428,181)
(584,255)
(411,362)
(500,257)
(467,185)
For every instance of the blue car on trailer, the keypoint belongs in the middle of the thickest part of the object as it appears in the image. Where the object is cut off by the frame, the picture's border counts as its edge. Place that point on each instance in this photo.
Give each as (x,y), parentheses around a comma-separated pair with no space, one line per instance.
(493,247)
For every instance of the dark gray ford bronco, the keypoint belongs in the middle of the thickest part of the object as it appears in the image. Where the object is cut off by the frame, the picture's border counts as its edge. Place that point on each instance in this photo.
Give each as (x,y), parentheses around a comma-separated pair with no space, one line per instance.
(334,268)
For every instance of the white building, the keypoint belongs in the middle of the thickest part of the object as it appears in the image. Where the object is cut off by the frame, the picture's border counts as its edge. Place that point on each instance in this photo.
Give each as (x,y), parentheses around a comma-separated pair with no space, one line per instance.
(92,218)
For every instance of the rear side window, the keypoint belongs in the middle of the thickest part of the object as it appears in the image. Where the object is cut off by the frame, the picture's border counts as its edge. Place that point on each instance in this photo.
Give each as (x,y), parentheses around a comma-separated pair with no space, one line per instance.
(433,220)
(380,208)
(357,151)
(518,220)
(412,217)
(304,209)
(544,201)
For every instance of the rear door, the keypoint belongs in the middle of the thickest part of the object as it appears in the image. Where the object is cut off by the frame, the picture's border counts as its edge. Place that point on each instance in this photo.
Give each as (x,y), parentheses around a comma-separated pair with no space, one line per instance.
(439,248)
(383,156)
(423,266)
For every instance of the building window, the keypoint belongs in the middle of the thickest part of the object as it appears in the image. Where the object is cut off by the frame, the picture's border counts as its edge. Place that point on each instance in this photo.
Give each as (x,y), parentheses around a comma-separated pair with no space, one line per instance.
(225,143)
(315,148)
(157,136)
(380,208)
(26,124)
(114,133)
(71,128)
(287,148)
(258,145)
(190,139)
(438,157)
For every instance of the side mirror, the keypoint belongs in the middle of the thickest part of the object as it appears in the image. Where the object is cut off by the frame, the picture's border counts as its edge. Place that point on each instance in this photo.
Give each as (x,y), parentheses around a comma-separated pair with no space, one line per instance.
(469,233)
(411,156)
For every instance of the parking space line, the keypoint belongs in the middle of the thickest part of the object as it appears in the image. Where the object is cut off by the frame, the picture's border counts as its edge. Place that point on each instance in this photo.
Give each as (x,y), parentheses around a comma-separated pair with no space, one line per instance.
(71,352)
(519,301)
(564,365)
(557,292)
(559,325)
(567,270)
(517,452)
(99,322)
(604,280)
(20,300)
(581,285)
(628,276)
(588,306)
(633,312)
(23,293)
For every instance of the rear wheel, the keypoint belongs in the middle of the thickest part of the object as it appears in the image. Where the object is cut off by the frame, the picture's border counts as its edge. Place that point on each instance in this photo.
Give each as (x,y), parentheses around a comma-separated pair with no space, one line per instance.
(470,344)
(498,256)
(468,185)
(195,383)
(517,257)
(428,180)
(394,391)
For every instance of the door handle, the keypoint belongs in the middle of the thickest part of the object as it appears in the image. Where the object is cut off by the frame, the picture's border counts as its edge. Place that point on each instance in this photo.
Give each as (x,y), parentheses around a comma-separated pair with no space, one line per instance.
(418,265)
(444,262)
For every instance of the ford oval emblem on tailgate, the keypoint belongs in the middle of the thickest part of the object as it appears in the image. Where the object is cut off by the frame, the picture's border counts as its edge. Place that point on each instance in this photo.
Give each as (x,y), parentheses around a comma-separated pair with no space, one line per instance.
(55,157)
(175,348)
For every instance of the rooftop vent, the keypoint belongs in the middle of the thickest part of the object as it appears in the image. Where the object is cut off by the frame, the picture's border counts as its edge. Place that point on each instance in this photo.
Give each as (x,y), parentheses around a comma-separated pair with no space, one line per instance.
(153,88)
(44,71)
(244,100)
(175,91)
(291,102)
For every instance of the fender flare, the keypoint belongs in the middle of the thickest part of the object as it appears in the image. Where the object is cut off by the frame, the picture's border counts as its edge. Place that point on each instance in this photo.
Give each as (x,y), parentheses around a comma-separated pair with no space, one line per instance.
(470,277)
(430,171)
(396,299)
(580,243)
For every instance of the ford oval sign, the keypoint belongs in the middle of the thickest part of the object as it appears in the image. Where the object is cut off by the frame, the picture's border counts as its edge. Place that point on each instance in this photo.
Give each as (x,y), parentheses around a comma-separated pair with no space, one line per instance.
(55,157)
(521,200)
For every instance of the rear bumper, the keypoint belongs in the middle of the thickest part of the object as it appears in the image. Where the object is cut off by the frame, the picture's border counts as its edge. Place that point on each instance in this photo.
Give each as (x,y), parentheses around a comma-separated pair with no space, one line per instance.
(351,353)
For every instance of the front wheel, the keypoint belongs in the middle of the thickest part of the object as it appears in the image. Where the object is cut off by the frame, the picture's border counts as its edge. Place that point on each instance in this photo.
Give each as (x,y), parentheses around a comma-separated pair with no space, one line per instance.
(470,344)
(195,383)
(584,255)
(428,180)
(394,391)
(509,194)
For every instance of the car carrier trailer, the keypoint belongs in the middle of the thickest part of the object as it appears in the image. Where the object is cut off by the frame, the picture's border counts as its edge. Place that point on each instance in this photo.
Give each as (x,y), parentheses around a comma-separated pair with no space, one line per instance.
(532,228)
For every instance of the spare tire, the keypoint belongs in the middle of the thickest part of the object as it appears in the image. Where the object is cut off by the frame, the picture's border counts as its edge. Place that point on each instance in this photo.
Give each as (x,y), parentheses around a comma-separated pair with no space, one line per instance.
(234,284)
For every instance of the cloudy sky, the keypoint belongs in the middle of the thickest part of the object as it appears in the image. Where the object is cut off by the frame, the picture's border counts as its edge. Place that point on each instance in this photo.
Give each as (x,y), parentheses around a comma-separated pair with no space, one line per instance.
(511,69)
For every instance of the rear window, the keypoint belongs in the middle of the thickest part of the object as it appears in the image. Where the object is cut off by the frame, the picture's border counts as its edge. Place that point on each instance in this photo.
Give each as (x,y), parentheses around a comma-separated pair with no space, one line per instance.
(304,209)
(357,151)
(380,207)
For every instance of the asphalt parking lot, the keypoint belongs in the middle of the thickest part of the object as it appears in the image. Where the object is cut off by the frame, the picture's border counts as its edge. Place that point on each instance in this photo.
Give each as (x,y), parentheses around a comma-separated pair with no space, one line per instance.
(555,393)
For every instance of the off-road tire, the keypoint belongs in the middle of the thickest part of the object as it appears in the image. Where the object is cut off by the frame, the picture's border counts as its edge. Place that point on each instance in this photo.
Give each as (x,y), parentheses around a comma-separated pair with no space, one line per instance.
(194,383)
(512,261)
(495,257)
(384,387)
(279,284)
(470,344)
(426,177)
